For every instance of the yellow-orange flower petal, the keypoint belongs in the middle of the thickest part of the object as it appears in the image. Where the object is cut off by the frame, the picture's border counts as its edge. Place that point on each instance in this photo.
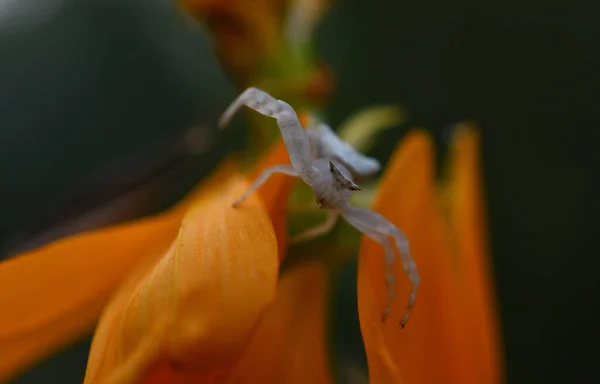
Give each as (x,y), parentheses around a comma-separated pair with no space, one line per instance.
(435,346)
(53,295)
(190,315)
(289,345)
(467,215)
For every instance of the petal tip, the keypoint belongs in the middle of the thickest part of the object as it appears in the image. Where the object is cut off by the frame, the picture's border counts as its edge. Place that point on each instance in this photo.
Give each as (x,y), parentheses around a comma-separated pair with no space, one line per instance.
(467,131)
(418,139)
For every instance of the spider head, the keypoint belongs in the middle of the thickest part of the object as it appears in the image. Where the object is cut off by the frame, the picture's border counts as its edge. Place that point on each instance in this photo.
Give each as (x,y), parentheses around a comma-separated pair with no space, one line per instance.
(331,184)
(341,179)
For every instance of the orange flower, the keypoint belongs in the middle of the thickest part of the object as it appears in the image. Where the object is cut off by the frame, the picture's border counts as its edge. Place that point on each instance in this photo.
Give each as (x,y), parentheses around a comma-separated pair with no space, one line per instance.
(193,295)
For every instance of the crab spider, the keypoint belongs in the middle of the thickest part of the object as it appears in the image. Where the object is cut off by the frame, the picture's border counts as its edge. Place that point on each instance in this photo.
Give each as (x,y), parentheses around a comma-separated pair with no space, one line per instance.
(325,162)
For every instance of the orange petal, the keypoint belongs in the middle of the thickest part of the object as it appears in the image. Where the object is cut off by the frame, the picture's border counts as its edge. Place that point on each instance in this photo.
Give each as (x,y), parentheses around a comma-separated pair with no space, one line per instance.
(435,346)
(470,231)
(289,345)
(53,295)
(188,317)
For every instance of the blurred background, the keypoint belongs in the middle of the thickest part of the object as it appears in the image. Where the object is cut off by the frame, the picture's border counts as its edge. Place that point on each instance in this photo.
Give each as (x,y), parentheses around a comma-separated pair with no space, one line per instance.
(104,103)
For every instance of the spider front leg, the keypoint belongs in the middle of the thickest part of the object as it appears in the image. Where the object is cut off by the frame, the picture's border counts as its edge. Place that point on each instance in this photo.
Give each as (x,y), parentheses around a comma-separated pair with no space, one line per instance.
(379,229)
(264,176)
(319,230)
(294,136)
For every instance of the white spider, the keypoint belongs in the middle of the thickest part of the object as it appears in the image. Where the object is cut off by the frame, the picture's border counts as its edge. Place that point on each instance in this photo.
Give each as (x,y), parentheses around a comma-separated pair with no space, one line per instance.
(324,162)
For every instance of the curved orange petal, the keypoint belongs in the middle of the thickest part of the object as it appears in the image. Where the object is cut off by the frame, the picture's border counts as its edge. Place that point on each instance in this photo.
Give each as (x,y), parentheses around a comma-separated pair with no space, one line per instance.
(435,345)
(189,316)
(51,296)
(274,193)
(467,215)
(289,345)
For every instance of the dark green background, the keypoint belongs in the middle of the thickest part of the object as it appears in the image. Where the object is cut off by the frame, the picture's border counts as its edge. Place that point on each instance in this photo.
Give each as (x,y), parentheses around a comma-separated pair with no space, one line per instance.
(102,80)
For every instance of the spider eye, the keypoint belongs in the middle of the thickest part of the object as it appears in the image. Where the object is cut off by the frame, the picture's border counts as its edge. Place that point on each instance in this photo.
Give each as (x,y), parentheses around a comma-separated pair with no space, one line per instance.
(320,202)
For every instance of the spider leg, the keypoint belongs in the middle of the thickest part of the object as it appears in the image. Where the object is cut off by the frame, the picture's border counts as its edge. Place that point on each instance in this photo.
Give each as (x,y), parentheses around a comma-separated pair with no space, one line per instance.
(264,176)
(319,230)
(331,146)
(390,277)
(294,136)
(379,229)
(409,267)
